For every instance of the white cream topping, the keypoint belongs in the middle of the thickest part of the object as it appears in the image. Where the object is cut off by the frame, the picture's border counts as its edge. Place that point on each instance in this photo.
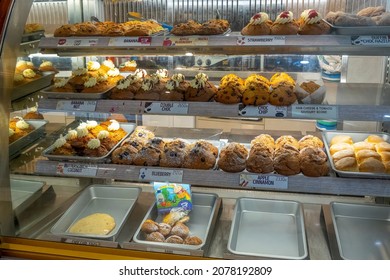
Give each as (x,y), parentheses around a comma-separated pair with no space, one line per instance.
(311,16)
(91,124)
(131,63)
(80,71)
(123,84)
(284,17)
(162,73)
(91,82)
(199,81)
(103,134)
(147,84)
(18,77)
(82,131)
(141,73)
(46,64)
(93,143)
(101,78)
(61,83)
(22,124)
(34,109)
(259,18)
(175,81)
(72,134)
(114,126)
(93,65)
(108,63)
(82,125)
(113,72)
(59,142)
(10,132)
(29,73)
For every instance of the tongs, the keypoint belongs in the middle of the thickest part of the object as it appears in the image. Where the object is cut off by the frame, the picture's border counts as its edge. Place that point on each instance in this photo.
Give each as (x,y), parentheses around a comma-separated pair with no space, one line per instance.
(138,16)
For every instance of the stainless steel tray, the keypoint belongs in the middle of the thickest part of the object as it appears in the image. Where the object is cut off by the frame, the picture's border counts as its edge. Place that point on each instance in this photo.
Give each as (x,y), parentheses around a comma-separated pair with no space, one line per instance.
(24,193)
(16,147)
(356,137)
(33,36)
(204,208)
(360,30)
(268,229)
(362,230)
(33,86)
(110,199)
(74,95)
(128,127)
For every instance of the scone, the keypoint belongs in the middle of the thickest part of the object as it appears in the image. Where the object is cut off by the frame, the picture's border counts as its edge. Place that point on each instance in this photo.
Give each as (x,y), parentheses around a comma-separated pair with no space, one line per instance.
(200,89)
(310,141)
(285,24)
(232,157)
(311,23)
(259,24)
(200,155)
(260,159)
(265,140)
(286,140)
(286,160)
(313,162)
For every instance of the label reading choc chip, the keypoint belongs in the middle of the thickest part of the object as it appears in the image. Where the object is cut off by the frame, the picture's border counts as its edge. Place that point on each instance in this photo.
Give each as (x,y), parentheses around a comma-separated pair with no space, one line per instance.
(264,181)
(262,111)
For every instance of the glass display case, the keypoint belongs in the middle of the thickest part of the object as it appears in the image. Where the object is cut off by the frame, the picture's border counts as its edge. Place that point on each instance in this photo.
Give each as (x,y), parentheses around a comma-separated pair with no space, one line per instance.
(44,193)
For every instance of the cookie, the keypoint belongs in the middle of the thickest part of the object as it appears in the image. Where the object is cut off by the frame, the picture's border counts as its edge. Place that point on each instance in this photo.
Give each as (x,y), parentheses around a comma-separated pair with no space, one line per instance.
(283,95)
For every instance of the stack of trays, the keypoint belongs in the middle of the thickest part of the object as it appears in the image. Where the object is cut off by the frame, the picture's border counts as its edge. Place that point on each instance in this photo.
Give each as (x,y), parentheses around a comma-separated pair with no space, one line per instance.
(272,229)
(109,199)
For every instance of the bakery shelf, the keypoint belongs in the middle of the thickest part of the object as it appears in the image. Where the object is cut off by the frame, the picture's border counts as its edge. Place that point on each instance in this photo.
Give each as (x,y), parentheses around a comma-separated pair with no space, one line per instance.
(234,44)
(216,178)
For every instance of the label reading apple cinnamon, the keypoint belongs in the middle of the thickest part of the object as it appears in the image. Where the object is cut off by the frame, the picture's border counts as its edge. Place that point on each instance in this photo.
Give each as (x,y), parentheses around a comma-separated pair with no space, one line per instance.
(262,111)
(263,181)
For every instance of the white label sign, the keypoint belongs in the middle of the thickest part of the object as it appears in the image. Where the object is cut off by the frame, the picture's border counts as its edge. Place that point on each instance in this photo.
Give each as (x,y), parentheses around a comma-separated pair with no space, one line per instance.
(264,181)
(73,42)
(185,41)
(161,175)
(261,40)
(370,40)
(77,169)
(166,108)
(76,105)
(314,111)
(129,41)
(262,111)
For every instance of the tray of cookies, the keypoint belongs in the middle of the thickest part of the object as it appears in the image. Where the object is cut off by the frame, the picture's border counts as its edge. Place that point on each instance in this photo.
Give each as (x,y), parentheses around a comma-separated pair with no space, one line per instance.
(268,228)
(358,154)
(89,141)
(99,212)
(177,232)
(22,133)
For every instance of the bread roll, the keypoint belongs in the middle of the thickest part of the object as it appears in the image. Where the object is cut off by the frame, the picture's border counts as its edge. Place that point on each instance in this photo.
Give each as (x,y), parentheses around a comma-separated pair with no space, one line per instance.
(382,147)
(347,164)
(387,166)
(341,139)
(364,154)
(286,140)
(385,156)
(174,239)
(339,147)
(193,240)
(374,139)
(372,165)
(181,230)
(363,146)
(155,237)
(149,226)
(343,154)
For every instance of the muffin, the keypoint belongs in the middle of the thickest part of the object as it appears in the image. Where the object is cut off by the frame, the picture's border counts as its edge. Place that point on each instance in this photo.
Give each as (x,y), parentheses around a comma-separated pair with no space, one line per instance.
(260,159)
(62,147)
(174,153)
(259,24)
(200,155)
(95,149)
(128,66)
(285,24)
(147,156)
(122,91)
(286,160)
(124,154)
(106,140)
(200,89)
(313,162)
(62,85)
(33,114)
(264,140)
(233,157)
(310,141)
(47,66)
(311,23)
(78,78)
(286,140)
(175,87)
(151,88)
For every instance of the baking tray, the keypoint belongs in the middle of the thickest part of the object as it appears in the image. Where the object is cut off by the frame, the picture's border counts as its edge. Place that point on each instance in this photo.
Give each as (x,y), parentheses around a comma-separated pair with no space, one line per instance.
(204,209)
(362,230)
(74,95)
(24,193)
(359,30)
(16,147)
(356,137)
(113,200)
(268,229)
(33,86)
(128,127)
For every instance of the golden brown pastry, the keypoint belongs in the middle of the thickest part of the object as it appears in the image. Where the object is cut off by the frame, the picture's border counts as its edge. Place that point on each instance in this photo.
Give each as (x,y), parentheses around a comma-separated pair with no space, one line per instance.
(311,23)
(374,139)
(174,153)
(95,149)
(149,226)
(339,147)
(385,156)
(65,30)
(181,230)
(347,164)
(214,27)
(164,229)
(151,88)
(33,114)
(286,160)
(342,154)
(86,29)
(382,147)
(341,139)
(122,91)
(361,145)
(361,155)
(313,162)
(232,157)
(193,240)
(260,159)
(231,78)
(174,217)
(188,28)
(285,24)
(372,165)
(310,141)
(371,11)
(309,86)
(155,237)
(200,89)
(265,140)
(47,66)
(200,155)
(286,140)
(259,24)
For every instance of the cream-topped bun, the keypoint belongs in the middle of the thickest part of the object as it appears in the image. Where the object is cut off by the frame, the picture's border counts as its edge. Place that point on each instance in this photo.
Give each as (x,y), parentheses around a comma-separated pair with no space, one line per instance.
(10,132)
(72,134)
(93,65)
(284,17)
(199,81)
(59,142)
(341,139)
(46,64)
(113,72)
(21,63)
(91,82)
(29,73)
(141,73)
(108,63)
(91,124)
(61,83)
(114,126)
(93,143)
(131,63)
(82,125)
(82,131)
(79,71)
(374,139)
(162,73)
(103,134)
(22,124)
(123,84)
(311,16)
(259,18)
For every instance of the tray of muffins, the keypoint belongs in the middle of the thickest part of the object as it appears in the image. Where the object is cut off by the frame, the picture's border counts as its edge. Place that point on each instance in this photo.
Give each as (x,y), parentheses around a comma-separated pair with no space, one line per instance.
(358,154)
(89,141)
(193,149)
(210,27)
(23,132)
(178,230)
(264,154)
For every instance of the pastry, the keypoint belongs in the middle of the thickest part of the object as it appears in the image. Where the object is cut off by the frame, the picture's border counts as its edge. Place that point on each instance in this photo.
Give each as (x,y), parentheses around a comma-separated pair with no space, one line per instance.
(107,65)
(284,24)
(164,229)
(128,66)
(200,89)
(33,27)
(18,79)
(371,11)
(149,226)
(341,139)
(214,27)
(174,239)
(175,87)
(232,157)
(95,149)
(193,240)
(188,28)
(345,19)
(228,94)
(78,78)
(260,159)
(30,75)
(62,147)
(382,147)
(362,155)
(362,145)
(339,147)
(86,29)
(286,140)
(311,23)
(309,86)
(33,114)
(255,79)
(114,76)
(106,140)
(313,162)
(256,94)
(200,155)
(231,78)
(147,156)
(310,141)
(174,153)
(286,160)
(117,133)
(174,217)
(151,88)
(62,85)
(94,224)
(342,154)
(374,139)
(47,66)
(181,230)
(259,24)
(372,165)
(155,237)
(22,65)
(264,140)
(347,164)
(122,91)
(65,30)
(92,86)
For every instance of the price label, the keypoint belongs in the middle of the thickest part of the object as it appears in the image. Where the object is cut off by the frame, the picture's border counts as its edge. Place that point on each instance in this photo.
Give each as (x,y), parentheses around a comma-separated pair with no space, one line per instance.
(263,181)
(77,169)
(261,40)
(76,105)
(371,40)
(83,242)
(161,175)
(185,41)
(262,111)
(314,111)
(130,41)
(166,108)
(72,42)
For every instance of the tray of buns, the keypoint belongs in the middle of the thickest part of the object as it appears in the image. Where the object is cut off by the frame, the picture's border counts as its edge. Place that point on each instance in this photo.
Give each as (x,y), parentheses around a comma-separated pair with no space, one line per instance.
(37,130)
(99,94)
(24,193)
(193,234)
(99,212)
(370,228)
(89,141)
(358,154)
(28,86)
(268,228)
